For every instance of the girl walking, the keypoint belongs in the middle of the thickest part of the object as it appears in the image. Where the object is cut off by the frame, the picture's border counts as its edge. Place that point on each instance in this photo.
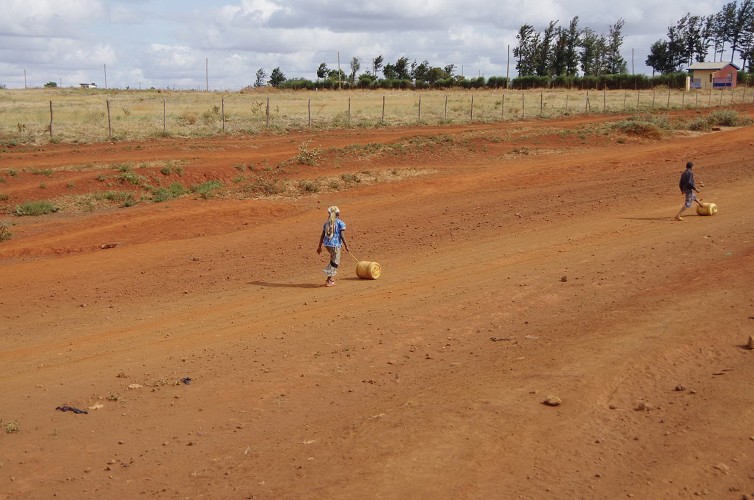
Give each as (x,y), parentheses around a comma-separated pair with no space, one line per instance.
(332,238)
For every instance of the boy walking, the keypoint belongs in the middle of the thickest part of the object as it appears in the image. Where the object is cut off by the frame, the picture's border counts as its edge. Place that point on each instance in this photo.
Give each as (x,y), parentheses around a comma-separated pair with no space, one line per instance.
(688,188)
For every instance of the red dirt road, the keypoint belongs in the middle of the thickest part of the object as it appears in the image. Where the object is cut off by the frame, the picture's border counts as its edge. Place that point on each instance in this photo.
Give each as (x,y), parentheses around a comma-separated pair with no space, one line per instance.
(532,259)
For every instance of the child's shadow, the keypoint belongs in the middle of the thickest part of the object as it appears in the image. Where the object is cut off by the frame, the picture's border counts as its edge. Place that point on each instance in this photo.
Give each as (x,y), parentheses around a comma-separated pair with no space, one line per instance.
(284,285)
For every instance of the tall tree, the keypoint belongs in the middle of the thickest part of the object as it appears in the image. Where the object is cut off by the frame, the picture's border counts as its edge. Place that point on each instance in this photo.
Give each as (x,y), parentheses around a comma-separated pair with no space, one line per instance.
(544,51)
(402,71)
(322,71)
(572,47)
(706,35)
(525,51)
(377,63)
(276,77)
(724,22)
(614,62)
(593,48)
(355,67)
(741,26)
(261,77)
(389,72)
(420,72)
(559,51)
(659,58)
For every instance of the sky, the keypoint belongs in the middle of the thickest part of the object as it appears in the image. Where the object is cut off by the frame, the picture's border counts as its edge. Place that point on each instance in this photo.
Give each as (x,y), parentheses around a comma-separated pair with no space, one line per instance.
(220,44)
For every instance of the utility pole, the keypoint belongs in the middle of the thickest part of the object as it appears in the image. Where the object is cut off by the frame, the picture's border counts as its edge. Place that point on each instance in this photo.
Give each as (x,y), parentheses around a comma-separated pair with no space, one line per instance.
(206,73)
(508,68)
(105,68)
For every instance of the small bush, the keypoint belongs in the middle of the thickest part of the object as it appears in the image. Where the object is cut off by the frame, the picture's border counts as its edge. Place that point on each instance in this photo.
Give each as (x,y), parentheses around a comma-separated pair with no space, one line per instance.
(206,189)
(130,177)
(175,190)
(308,156)
(728,118)
(12,427)
(700,125)
(5,233)
(640,129)
(350,178)
(46,172)
(308,186)
(36,208)
(3,197)
(264,187)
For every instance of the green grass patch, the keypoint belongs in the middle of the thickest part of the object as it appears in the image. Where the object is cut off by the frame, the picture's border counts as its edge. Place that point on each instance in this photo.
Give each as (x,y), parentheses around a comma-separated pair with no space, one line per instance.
(175,190)
(35,208)
(207,189)
(132,178)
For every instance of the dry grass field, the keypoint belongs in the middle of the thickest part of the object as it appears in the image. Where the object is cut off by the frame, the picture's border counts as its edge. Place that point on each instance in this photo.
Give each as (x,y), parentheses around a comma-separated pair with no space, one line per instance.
(82,116)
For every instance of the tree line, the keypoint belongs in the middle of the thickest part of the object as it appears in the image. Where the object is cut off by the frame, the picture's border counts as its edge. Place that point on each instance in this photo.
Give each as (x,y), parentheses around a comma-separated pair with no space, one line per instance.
(691,38)
(559,56)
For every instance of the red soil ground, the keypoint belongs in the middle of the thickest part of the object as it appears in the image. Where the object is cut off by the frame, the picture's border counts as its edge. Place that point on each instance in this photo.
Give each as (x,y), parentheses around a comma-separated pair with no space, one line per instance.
(536,259)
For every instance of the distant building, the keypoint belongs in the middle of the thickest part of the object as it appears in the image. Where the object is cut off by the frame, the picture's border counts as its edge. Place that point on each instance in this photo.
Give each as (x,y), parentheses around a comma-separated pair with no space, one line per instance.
(713,75)
(88,85)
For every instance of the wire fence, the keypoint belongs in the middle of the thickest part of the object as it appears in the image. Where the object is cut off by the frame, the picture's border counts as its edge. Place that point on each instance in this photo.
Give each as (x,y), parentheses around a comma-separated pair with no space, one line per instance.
(90,116)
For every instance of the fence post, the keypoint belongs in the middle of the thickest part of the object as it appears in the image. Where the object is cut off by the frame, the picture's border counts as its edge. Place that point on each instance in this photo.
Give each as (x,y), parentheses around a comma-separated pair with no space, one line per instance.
(625,97)
(50,119)
(502,110)
(349,110)
(722,91)
(668,106)
(566,106)
(446,108)
(382,120)
(654,93)
(164,115)
(420,108)
(683,99)
(523,105)
(109,126)
(222,111)
(541,102)
(697,99)
(638,94)
(309,110)
(709,102)
(604,98)
(267,113)
(472,108)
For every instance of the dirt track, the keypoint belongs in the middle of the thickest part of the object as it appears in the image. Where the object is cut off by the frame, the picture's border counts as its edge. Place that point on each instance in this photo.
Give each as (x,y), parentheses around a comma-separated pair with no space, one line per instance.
(527,263)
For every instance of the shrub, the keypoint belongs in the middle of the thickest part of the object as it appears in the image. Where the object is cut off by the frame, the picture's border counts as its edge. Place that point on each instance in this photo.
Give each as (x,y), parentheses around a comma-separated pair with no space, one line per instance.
(41,207)
(308,186)
(130,177)
(727,118)
(264,187)
(175,190)
(5,233)
(206,189)
(308,156)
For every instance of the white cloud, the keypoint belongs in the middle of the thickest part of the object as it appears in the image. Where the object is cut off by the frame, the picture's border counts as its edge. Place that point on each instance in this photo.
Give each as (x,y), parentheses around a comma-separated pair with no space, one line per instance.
(165,42)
